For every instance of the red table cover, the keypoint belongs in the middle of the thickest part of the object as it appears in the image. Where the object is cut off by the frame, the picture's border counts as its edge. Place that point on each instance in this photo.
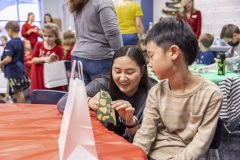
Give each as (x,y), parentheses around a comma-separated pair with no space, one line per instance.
(30,132)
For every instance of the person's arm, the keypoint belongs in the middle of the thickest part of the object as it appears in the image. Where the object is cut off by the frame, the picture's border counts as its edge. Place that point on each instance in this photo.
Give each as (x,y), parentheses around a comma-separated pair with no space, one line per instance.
(126,110)
(203,138)
(229,53)
(139,26)
(132,131)
(145,136)
(8,52)
(37,60)
(6,60)
(233,60)
(109,23)
(199,24)
(35,54)
(233,55)
(138,18)
(24,31)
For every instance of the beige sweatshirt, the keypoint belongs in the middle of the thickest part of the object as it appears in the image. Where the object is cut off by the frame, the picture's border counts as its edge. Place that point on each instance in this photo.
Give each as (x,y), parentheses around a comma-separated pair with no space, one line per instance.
(179,126)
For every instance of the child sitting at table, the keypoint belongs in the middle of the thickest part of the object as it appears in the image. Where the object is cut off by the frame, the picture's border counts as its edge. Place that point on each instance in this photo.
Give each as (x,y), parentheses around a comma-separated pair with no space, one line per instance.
(231,34)
(205,56)
(182,111)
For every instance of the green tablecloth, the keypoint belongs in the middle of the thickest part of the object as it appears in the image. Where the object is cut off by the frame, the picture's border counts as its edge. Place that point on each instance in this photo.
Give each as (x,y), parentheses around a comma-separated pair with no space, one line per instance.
(213,76)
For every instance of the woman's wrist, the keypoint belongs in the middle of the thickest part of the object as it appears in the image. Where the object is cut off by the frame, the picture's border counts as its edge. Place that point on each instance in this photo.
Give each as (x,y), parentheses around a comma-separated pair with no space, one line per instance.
(132,124)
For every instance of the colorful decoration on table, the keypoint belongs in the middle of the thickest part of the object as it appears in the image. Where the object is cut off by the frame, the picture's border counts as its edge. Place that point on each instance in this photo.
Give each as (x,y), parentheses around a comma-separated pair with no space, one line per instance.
(105,112)
(172,8)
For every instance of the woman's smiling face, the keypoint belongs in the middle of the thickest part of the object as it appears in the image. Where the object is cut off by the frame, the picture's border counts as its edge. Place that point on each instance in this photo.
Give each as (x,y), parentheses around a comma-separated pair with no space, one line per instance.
(126,75)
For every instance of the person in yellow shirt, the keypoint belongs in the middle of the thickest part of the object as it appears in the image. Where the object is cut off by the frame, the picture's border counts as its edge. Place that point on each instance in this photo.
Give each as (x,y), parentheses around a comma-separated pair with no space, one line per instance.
(129,16)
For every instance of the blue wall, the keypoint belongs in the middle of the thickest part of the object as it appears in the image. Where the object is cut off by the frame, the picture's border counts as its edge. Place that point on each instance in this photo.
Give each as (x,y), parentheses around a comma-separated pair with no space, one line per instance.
(147,8)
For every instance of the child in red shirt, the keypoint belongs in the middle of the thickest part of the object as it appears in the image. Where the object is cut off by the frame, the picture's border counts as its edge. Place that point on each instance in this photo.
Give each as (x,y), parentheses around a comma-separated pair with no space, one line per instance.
(49,50)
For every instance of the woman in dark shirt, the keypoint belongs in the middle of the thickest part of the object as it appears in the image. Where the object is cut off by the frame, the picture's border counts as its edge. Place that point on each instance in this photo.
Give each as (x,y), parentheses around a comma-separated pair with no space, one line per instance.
(128,86)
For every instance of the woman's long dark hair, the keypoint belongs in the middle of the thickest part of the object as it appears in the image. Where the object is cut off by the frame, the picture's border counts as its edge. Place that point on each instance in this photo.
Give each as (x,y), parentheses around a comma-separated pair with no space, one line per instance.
(49,15)
(136,55)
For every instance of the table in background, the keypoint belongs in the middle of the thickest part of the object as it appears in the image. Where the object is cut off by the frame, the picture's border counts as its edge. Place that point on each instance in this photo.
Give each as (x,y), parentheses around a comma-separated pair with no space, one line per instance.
(219,48)
(30,131)
(213,75)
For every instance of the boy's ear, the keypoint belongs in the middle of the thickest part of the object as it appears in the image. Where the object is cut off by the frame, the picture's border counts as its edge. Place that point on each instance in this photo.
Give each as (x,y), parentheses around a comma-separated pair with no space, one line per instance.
(174,50)
(235,34)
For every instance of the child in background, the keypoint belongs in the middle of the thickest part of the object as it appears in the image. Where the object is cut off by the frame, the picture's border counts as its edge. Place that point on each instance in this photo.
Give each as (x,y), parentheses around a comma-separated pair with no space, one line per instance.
(48,18)
(3,44)
(231,34)
(182,111)
(27,57)
(2,47)
(69,40)
(12,61)
(143,47)
(205,56)
(49,50)
(4,41)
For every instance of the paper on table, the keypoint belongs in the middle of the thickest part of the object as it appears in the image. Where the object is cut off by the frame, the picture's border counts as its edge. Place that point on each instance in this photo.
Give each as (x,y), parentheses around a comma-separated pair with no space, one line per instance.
(105,112)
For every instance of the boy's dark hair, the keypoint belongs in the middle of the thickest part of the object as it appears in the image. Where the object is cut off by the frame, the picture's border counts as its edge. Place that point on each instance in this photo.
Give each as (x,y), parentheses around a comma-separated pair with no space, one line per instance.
(135,54)
(13,25)
(172,31)
(228,30)
(206,39)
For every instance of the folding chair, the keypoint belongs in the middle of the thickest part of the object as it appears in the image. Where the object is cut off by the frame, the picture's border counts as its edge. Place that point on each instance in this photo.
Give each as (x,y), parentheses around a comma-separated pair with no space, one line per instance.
(217,139)
(46,96)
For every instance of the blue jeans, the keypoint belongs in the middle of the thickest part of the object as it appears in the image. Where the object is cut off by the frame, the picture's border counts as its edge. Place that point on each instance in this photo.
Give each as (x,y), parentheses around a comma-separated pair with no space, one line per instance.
(93,69)
(130,39)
